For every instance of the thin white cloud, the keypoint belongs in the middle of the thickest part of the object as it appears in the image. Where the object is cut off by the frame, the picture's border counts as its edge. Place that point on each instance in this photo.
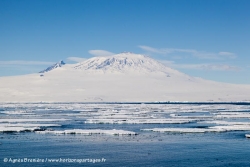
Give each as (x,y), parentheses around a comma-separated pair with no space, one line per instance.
(22,62)
(227,54)
(76,59)
(211,67)
(192,52)
(154,50)
(165,50)
(167,63)
(100,53)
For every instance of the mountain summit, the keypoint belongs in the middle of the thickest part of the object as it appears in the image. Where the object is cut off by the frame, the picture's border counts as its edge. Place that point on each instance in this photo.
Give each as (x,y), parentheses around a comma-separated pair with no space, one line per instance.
(125,62)
(57,65)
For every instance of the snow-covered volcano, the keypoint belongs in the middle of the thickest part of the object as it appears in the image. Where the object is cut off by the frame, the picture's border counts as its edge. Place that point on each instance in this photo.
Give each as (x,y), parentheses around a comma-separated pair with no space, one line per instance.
(124,63)
(125,77)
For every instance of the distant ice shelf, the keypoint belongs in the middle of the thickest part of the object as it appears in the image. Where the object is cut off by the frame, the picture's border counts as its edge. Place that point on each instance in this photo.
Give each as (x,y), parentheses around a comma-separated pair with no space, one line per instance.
(89,132)
(183,130)
(139,121)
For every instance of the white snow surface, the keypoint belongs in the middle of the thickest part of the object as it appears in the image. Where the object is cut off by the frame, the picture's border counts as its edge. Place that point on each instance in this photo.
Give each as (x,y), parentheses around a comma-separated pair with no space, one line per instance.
(124,77)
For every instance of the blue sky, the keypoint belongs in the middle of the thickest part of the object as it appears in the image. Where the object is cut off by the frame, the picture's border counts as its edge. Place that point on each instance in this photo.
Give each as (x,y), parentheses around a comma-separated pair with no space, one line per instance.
(203,38)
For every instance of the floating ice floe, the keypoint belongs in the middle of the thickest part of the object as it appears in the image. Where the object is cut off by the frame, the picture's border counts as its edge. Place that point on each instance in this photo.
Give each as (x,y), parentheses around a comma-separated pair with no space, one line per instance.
(23,127)
(139,121)
(233,115)
(247,135)
(31,120)
(27,125)
(226,123)
(21,112)
(232,127)
(202,130)
(18,129)
(89,132)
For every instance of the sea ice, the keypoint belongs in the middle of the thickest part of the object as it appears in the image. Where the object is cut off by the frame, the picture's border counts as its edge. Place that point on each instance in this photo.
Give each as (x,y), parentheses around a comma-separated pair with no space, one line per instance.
(27,125)
(17,129)
(31,120)
(202,130)
(226,123)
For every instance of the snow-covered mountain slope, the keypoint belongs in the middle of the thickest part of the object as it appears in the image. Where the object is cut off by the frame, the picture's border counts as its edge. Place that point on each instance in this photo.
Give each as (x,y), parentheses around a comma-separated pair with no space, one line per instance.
(125,77)
(124,63)
(54,66)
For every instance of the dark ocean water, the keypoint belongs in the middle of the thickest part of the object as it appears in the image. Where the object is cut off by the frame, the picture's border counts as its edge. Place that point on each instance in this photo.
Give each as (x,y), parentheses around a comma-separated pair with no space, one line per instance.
(147,149)
(158,149)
